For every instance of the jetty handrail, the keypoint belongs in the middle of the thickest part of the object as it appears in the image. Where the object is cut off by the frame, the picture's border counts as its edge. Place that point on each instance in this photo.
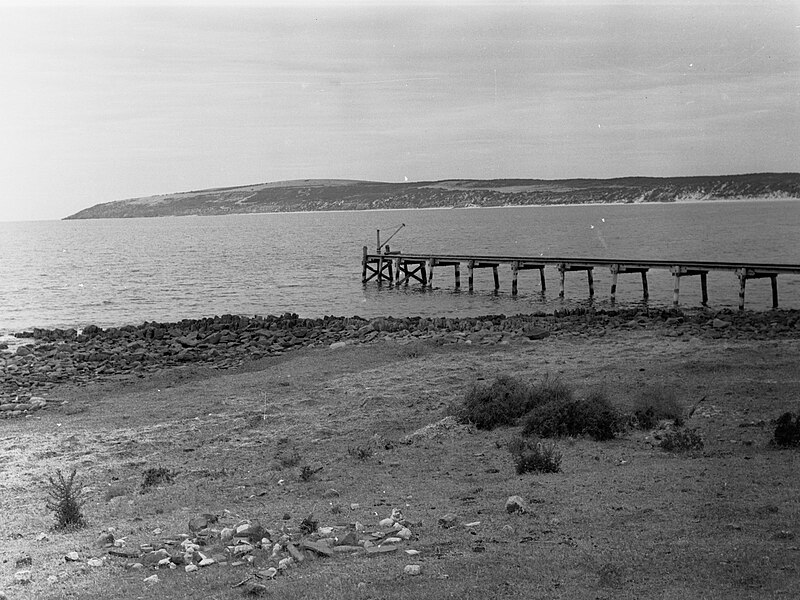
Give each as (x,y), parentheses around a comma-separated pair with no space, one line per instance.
(405,266)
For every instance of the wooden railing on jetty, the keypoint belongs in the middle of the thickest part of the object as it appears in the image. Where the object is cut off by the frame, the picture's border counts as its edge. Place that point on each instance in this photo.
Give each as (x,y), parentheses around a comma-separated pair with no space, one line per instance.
(401,267)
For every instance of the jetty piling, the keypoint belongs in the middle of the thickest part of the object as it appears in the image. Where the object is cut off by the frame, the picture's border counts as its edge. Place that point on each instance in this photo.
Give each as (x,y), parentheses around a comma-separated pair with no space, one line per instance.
(399,268)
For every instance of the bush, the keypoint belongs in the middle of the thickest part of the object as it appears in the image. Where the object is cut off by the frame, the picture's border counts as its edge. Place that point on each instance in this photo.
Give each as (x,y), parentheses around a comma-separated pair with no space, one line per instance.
(787,430)
(682,440)
(505,400)
(65,501)
(155,476)
(654,404)
(535,455)
(593,416)
(361,452)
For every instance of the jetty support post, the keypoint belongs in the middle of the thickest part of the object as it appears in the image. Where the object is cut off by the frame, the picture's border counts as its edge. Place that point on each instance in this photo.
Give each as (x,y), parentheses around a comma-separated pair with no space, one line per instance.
(562,271)
(541,278)
(430,263)
(590,279)
(457,274)
(364,266)
(679,271)
(496,278)
(614,274)
(470,273)
(397,271)
(745,274)
(645,289)
(514,273)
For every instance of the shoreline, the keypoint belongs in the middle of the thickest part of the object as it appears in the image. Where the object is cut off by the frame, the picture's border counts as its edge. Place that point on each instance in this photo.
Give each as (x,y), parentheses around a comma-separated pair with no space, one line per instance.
(46,358)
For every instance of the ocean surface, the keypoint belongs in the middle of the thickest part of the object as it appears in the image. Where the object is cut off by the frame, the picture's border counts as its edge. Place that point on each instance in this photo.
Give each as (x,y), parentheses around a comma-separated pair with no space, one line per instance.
(114,272)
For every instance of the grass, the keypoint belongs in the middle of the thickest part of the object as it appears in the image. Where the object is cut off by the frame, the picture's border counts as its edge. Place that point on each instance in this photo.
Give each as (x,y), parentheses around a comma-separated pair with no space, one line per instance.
(682,440)
(657,403)
(156,476)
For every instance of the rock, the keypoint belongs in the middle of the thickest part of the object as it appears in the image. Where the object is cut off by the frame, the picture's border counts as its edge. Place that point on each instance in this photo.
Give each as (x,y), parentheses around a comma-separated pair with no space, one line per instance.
(535,333)
(254,589)
(321,549)
(349,539)
(201,522)
(412,552)
(447,521)
(412,570)
(72,557)
(105,539)
(335,345)
(24,561)
(380,550)
(404,534)
(720,324)
(95,562)
(269,573)
(207,562)
(516,504)
(191,568)
(330,493)
(152,558)
(42,537)
(151,579)
(285,563)
(392,540)
(23,577)
(386,523)
(123,552)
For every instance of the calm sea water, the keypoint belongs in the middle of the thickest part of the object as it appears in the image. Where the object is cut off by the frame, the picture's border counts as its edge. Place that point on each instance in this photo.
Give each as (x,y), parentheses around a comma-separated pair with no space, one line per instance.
(125,271)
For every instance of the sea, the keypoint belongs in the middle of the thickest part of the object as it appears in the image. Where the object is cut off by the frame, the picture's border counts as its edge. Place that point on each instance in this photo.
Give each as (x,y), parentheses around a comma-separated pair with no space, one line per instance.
(114,272)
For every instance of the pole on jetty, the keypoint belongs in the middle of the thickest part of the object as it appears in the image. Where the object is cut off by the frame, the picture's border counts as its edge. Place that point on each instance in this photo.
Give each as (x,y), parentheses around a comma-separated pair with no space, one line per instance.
(496,278)
(430,264)
(364,266)
(514,273)
(704,288)
(774,281)
(590,279)
(562,270)
(470,269)
(457,274)
(614,273)
(645,290)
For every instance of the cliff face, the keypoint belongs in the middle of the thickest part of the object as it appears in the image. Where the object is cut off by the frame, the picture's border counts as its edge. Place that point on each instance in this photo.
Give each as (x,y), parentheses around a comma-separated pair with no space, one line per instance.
(312,195)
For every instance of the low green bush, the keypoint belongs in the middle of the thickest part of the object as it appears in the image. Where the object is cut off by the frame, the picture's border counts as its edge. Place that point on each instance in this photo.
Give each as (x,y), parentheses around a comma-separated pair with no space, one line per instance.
(787,430)
(593,416)
(682,440)
(535,456)
(506,399)
(155,476)
(654,404)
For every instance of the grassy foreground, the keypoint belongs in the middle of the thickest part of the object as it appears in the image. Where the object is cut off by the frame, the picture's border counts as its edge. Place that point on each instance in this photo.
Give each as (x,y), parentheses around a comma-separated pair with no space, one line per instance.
(623,519)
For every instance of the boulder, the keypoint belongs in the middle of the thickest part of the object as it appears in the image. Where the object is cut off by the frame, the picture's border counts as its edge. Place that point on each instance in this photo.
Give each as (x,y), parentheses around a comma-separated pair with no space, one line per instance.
(516,504)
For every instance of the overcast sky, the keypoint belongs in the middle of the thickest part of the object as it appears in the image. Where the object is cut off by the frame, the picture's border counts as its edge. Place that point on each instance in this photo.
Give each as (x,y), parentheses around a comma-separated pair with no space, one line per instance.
(101,103)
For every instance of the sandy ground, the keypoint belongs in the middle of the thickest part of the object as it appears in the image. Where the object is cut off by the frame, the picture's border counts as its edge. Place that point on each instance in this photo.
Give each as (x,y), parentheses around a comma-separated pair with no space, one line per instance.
(623,519)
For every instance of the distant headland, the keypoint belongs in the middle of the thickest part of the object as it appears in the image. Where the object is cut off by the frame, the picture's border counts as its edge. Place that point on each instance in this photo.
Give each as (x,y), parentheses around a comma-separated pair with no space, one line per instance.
(339,194)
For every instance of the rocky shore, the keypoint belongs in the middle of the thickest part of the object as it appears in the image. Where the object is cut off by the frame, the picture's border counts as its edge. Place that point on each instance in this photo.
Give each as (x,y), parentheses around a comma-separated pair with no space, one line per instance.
(49,357)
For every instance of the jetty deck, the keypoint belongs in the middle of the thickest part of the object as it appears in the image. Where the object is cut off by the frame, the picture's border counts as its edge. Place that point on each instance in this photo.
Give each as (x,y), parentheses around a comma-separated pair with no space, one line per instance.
(400,268)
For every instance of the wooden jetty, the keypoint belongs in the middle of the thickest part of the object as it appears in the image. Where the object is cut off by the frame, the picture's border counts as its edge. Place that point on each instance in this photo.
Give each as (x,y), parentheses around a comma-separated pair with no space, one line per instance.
(400,268)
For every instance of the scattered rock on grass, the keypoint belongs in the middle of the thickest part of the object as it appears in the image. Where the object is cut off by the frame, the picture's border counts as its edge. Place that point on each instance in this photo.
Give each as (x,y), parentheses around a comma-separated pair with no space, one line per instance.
(412,570)
(516,504)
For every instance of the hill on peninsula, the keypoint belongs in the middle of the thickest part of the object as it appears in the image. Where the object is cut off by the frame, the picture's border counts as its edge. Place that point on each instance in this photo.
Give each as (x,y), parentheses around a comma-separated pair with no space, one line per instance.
(338,194)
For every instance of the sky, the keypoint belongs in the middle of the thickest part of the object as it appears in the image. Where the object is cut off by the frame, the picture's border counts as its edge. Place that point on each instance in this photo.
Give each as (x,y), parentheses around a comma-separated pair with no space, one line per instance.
(115,100)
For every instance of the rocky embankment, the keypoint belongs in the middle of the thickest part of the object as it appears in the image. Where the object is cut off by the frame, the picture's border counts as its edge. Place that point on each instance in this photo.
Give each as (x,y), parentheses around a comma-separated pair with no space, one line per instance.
(51,357)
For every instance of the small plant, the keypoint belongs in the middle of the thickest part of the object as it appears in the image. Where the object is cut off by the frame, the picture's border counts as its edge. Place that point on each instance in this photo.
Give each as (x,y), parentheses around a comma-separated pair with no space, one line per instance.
(593,416)
(308,525)
(682,440)
(65,501)
(306,473)
(360,452)
(787,430)
(156,476)
(289,457)
(654,404)
(535,456)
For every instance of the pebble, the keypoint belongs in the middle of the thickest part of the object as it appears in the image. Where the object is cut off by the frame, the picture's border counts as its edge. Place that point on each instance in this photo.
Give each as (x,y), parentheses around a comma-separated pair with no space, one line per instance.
(95,562)
(23,577)
(449,520)
(412,570)
(191,568)
(72,557)
(516,504)
(151,579)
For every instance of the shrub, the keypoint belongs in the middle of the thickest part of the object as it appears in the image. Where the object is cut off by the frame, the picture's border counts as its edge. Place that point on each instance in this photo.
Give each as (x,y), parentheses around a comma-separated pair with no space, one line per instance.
(535,455)
(682,440)
(306,472)
(155,476)
(593,416)
(505,400)
(654,404)
(360,452)
(65,501)
(787,430)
